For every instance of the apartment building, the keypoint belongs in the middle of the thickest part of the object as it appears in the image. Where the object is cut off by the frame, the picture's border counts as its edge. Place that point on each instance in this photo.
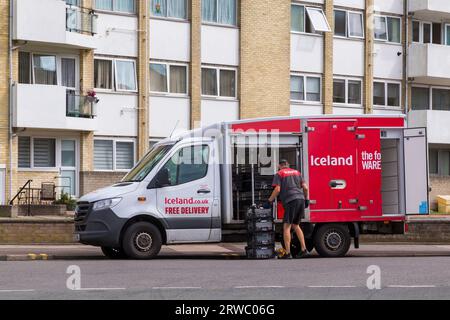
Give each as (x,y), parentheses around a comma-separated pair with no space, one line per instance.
(94,83)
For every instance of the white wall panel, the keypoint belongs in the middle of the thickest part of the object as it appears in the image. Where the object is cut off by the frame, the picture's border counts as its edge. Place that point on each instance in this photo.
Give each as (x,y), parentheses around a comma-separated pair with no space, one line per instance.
(170,40)
(117,35)
(306,53)
(389,6)
(166,113)
(117,114)
(220,45)
(387,63)
(306,110)
(215,111)
(358,4)
(348,57)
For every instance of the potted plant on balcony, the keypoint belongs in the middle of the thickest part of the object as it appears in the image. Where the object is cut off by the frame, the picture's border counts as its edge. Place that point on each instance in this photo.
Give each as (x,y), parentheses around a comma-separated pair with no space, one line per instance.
(92,96)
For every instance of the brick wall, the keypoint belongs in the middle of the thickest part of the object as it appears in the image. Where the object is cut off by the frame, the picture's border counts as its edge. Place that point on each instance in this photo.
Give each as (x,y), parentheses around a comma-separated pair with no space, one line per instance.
(368,54)
(36,232)
(265,58)
(327,84)
(90,181)
(196,63)
(439,186)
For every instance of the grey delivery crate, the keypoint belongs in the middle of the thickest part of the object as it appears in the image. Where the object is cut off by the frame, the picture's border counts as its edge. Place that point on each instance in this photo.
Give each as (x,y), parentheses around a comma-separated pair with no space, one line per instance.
(260,252)
(259,213)
(260,225)
(261,239)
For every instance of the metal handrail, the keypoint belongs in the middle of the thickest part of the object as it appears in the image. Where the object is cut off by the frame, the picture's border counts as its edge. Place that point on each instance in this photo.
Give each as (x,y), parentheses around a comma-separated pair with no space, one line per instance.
(81,20)
(79,106)
(25,186)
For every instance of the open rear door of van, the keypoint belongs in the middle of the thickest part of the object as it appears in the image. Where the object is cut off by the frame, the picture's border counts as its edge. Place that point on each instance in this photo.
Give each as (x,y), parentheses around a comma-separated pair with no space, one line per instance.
(416,171)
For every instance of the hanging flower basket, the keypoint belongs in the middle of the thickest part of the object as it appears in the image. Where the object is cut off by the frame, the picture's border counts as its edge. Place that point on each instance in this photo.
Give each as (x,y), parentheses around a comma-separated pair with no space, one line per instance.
(92,97)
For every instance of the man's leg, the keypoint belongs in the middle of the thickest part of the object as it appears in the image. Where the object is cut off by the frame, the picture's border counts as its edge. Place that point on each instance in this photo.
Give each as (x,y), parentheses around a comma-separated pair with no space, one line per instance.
(287,237)
(300,235)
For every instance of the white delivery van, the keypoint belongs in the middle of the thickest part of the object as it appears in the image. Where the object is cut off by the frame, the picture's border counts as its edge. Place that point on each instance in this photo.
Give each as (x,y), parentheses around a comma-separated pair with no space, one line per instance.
(366,173)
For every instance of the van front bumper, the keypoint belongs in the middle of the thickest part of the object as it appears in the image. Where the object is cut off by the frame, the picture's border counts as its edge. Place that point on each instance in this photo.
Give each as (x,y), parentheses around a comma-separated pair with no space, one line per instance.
(98,228)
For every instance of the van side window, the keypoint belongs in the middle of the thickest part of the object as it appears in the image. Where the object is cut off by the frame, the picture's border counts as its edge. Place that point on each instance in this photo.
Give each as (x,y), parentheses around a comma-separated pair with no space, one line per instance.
(188,164)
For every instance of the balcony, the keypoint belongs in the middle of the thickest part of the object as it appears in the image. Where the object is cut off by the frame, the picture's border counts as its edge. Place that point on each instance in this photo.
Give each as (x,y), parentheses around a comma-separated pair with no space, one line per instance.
(436,121)
(429,63)
(52,107)
(430,10)
(54,22)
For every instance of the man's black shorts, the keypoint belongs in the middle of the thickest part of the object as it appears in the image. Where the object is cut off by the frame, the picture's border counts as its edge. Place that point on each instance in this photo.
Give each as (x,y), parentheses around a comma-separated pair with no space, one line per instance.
(294,211)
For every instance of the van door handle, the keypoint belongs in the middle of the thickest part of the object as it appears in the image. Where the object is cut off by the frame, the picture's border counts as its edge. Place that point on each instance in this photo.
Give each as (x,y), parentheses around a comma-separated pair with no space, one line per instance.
(204,191)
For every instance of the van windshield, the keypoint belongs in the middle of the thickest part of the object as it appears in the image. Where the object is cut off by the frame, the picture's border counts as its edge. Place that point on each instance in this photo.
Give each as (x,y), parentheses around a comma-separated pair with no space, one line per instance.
(142,169)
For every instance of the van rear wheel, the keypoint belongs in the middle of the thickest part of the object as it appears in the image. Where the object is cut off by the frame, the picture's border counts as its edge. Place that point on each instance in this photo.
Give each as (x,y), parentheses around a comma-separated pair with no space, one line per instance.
(332,240)
(114,253)
(142,240)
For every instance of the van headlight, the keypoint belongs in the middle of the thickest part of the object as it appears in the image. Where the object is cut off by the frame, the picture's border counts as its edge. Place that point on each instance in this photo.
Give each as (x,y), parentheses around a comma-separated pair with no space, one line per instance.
(106,204)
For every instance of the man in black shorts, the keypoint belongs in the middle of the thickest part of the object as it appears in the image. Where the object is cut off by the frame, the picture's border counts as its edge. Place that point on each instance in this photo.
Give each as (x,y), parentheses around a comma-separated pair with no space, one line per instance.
(294,195)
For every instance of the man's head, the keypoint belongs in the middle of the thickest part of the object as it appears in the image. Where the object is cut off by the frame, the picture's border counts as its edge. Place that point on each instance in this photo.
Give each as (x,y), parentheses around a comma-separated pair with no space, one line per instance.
(283,164)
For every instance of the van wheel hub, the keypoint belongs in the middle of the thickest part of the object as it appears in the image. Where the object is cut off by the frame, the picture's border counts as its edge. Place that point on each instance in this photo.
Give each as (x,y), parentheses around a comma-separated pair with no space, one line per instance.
(333,240)
(143,241)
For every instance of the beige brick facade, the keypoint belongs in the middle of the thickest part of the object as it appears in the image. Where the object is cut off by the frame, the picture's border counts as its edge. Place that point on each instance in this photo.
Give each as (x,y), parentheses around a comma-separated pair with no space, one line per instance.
(196,62)
(265,58)
(368,54)
(327,85)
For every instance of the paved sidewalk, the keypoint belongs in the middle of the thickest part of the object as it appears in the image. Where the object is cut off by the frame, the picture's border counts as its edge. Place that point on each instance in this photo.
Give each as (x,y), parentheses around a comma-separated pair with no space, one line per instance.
(205,251)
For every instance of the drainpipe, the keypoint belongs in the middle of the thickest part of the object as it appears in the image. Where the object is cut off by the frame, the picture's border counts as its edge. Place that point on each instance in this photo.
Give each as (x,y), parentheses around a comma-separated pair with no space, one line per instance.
(10,121)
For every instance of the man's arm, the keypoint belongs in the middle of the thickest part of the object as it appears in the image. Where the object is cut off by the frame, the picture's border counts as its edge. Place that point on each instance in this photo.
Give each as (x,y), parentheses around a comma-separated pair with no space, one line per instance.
(275,193)
(305,190)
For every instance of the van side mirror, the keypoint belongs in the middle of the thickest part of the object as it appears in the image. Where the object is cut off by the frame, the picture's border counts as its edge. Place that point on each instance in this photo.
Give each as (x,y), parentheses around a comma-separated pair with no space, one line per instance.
(161,180)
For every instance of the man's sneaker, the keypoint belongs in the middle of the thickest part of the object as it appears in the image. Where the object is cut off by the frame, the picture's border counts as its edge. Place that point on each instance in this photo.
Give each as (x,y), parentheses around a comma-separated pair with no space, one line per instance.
(285,256)
(302,254)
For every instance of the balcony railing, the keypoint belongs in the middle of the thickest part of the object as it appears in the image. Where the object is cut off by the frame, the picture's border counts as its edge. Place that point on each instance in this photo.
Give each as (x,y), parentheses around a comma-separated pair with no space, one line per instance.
(79,106)
(81,20)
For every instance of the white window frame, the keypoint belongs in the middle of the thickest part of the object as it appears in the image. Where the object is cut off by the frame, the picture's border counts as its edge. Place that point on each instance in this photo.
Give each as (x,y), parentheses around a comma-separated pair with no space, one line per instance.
(420,32)
(346,24)
(347,28)
(422,24)
(114,160)
(387,28)
(135,75)
(33,79)
(316,33)
(135,7)
(431,95)
(305,93)
(346,103)
(168,66)
(386,97)
(446,33)
(58,160)
(218,69)
(216,23)
(323,16)
(166,17)
(113,76)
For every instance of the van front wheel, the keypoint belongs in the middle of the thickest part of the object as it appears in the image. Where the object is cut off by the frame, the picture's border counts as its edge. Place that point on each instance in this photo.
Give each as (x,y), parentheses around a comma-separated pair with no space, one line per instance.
(142,240)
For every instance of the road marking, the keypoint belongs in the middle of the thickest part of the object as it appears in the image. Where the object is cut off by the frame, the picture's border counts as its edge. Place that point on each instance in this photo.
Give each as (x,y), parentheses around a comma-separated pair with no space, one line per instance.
(12,290)
(174,288)
(331,286)
(98,289)
(420,286)
(253,287)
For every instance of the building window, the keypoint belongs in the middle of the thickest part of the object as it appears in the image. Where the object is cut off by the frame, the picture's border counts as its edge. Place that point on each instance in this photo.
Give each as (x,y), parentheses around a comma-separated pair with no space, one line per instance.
(24,67)
(122,78)
(305,88)
(348,24)
(44,153)
(439,162)
(126,6)
(169,8)
(447,34)
(113,155)
(103,78)
(24,147)
(347,91)
(387,29)
(219,11)
(416,31)
(420,98)
(386,94)
(441,99)
(168,78)
(44,69)
(219,82)
(308,19)
(430,32)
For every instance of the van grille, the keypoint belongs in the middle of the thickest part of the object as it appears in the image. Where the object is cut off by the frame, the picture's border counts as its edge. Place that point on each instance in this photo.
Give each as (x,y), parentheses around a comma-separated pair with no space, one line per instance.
(81,212)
